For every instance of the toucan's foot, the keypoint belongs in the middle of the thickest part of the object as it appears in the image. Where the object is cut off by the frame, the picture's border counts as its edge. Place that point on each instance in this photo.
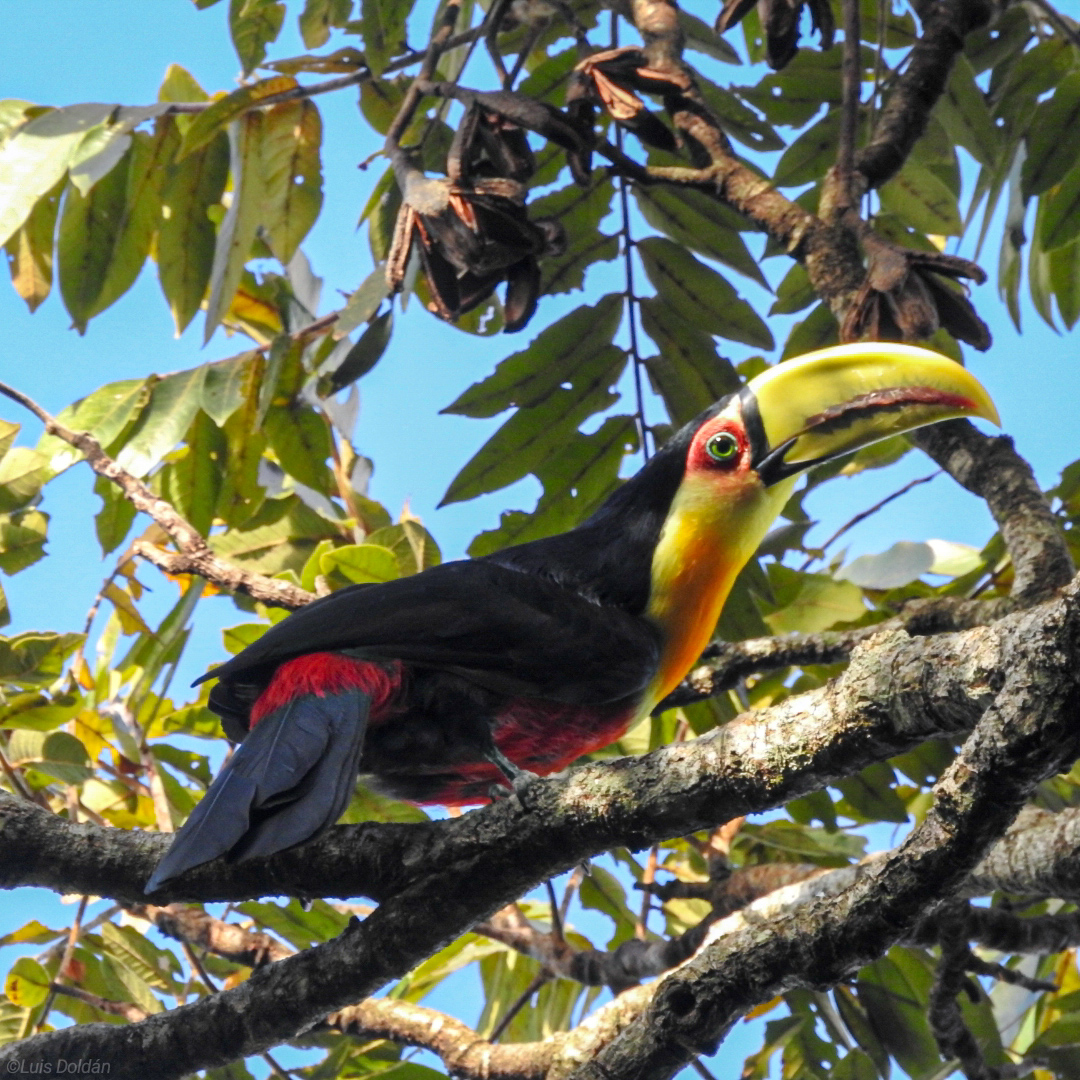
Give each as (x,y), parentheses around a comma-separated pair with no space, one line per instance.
(519,780)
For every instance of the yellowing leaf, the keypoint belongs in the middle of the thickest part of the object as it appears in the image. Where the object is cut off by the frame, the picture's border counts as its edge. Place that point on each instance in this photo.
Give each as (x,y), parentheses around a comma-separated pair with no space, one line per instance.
(27,984)
(130,619)
(225,109)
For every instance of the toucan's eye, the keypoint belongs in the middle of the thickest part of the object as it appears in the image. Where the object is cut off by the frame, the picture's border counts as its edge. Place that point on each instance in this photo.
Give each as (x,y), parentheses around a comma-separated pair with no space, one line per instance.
(723,448)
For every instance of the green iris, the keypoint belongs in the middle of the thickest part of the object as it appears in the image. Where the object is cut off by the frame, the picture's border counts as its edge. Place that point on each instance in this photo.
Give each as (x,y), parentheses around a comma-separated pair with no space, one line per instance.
(722,447)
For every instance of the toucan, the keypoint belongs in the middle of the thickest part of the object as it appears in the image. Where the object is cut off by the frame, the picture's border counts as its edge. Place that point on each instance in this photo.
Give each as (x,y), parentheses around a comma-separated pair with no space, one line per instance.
(482,673)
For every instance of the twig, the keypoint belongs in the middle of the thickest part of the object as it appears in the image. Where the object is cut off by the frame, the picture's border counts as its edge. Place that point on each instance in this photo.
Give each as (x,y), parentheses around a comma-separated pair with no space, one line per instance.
(65,960)
(641,930)
(492,24)
(194,553)
(16,781)
(132,1013)
(631,297)
(852,78)
(439,43)
(952,1035)
(870,513)
(1054,16)
(538,980)
(298,93)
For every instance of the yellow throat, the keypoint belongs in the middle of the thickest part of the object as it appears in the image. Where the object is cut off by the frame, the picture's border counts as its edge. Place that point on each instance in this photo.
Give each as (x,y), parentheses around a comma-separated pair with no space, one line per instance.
(711,531)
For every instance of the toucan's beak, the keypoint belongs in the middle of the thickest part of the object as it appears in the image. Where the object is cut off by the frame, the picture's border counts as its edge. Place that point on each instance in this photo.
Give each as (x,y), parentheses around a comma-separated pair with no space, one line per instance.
(828,403)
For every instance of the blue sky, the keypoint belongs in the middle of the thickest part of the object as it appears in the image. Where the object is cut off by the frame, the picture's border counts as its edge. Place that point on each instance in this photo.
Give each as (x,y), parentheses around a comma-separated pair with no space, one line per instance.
(64,51)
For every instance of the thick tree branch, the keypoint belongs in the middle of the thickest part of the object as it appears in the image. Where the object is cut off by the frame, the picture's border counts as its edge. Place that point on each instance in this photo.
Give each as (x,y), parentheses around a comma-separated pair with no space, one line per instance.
(1028,733)
(896,691)
(991,468)
(195,555)
(907,110)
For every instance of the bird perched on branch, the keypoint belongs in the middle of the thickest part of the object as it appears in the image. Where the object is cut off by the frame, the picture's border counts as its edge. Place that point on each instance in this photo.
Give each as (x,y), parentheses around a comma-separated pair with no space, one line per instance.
(438,687)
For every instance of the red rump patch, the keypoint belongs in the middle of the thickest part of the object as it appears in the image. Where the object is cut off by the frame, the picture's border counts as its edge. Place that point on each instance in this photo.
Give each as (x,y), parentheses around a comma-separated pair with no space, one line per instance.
(326,673)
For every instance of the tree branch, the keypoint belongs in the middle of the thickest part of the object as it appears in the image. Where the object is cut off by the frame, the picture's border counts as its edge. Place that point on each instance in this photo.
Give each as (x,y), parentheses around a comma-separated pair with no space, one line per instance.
(1014,746)
(907,110)
(195,555)
(990,467)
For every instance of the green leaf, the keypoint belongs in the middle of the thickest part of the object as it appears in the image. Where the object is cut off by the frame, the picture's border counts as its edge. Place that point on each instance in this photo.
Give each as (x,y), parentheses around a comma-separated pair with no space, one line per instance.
(226,385)
(963,112)
(383,23)
(361,563)
(816,331)
(36,659)
(363,303)
(57,754)
(180,85)
(871,794)
(130,948)
(22,539)
(33,933)
(113,521)
(285,543)
(794,293)
(688,374)
(532,436)
(576,345)
(1060,213)
(1065,279)
(810,156)
(186,239)
(1050,156)
(319,16)
(1039,272)
(163,422)
(738,120)
(22,473)
(292,175)
(812,79)
(361,358)
(700,295)
(894,992)
(36,158)
(300,925)
(301,440)
(105,414)
(89,231)
(237,233)
(579,211)
(922,200)
(602,891)
(700,223)
(809,603)
(192,480)
(30,250)
(576,479)
(413,546)
(820,845)
(703,38)
(27,984)
(149,157)
(254,24)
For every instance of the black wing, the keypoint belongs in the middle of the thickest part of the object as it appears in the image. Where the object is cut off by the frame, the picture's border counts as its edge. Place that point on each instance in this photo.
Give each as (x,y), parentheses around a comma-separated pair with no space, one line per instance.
(511,632)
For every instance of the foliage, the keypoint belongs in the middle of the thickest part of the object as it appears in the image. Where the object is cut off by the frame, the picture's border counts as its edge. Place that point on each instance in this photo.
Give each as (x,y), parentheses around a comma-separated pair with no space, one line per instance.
(254,449)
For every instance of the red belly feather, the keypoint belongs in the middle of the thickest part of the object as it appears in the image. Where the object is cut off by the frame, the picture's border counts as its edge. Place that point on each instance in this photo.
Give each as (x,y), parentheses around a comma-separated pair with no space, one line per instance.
(542,736)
